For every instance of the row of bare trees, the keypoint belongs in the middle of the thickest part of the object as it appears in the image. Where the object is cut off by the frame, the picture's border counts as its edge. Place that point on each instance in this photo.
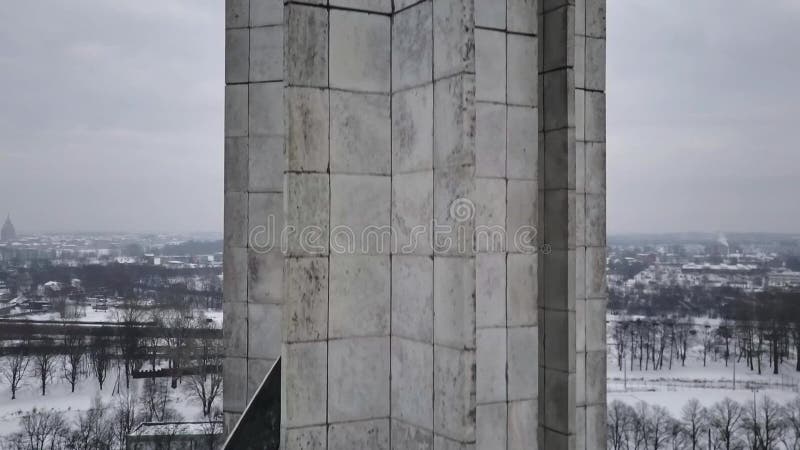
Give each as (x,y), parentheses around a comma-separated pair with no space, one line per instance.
(658,343)
(759,424)
(106,426)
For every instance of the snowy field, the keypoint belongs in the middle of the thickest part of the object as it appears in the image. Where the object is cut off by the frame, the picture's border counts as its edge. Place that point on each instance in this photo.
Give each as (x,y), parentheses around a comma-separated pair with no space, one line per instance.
(673,388)
(59,398)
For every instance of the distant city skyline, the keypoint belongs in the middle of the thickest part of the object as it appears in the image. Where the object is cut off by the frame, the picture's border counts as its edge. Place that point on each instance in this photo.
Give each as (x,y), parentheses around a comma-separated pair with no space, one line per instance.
(113,112)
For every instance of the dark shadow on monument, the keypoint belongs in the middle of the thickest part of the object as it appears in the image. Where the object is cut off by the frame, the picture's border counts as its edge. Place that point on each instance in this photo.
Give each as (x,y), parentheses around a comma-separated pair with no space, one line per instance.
(260,424)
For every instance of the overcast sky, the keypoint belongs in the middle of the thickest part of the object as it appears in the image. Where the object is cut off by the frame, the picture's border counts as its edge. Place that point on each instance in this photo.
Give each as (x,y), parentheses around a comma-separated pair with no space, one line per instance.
(111,115)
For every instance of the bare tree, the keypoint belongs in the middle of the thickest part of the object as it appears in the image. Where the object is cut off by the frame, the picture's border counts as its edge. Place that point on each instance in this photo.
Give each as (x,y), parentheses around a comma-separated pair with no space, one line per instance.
(131,315)
(42,430)
(73,357)
(660,426)
(205,381)
(620,421)
(44,363)
(100,354)
(93,430)
(763,423)
(725,419)
(212,429)
(694,424)
(155,401)
(124,417)
(14,369)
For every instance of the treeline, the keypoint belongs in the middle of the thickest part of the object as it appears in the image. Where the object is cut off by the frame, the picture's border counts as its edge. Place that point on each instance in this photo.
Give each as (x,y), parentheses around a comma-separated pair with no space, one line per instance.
(107,426)
(762,424)
(190,348)
(763,334)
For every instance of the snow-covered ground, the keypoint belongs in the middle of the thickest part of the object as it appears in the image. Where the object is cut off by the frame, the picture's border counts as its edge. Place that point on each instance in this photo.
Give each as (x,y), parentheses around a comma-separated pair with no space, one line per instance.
(673,388)
(60,398)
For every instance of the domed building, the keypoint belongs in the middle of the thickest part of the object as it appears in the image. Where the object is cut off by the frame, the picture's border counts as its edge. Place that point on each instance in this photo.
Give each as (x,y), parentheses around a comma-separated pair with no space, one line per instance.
(8,233)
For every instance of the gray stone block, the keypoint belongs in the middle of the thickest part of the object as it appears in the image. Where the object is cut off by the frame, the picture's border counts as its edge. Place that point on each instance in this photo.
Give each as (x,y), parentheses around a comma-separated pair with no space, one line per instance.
(580,18)
(237,13)
(412,382)
(559,218)
(580,167)
(266,109)
(490,290)
(490,214)
(358,377)
(454,117)
(595,325)
(580,428)
(490,66)
(369,231)
(237,45)
(595,116)
(453,37)
(490,140)
(234,269)
(236,219)
(580,273)
(305,311)
(371,434)
(558,102)
(596,168)
(444,443)
(454,301)
(596,18)
(412,129)
(412,213)
(522,79)
(236,110)
(522,221)
(265,222)
(580,115)
(412,297)
(410,437)
(308,438)
(231,419)
(580,379)
(454,211)
(490,14)
(523,139)
(454,394)
(580,220)
(559,347)
(595,272)
(580,61)
(266,53)
(360,51)
(559,159)
(491,366)
(523,363)
(304,384)
(522,419)
(360,133)
(380,6)
(265,277)
(235,370)
(492,426)
(264,330)
(307,128)
(359,296)
(412,46)
(267,12)
(522,289)
(580,325)
(267,163)
(235,337)
(596,426)
(236,161)
(559,403)
(596,220)
(307,200)
(257,370)
(306,53)
(559,39)
(522,16)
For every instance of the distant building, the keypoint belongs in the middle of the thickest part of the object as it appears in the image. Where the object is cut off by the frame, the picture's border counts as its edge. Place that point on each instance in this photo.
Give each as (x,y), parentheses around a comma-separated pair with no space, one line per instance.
(176,436)
(8,233)
(783,279)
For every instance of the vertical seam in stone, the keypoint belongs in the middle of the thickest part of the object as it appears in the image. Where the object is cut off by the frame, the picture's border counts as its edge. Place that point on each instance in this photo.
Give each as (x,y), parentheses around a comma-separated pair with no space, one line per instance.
(391,186)
(330,196)
(433,219)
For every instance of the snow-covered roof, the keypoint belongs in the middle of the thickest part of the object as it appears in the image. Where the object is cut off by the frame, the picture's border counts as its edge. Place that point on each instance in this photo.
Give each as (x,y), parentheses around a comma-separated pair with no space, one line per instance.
(177,428)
